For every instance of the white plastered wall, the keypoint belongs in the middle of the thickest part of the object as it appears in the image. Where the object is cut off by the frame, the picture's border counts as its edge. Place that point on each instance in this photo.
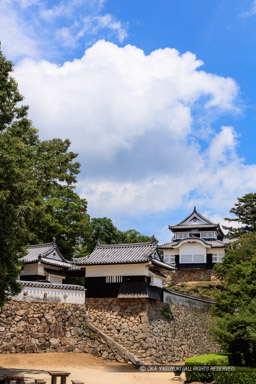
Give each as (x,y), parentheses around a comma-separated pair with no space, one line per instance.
(189,248)
(117,270)
(30,269)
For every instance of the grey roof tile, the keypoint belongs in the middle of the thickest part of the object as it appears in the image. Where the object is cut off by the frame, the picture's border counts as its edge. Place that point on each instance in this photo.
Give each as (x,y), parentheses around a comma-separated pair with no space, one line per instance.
(43,252)
(35,284)
(213,243)
(198,214)
(56,263)
(194,226)
(118,254)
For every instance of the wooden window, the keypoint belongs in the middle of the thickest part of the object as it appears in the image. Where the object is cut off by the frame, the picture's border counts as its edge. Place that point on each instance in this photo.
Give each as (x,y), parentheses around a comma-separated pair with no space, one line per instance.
(169,259)
(114,279)
(181,235)
(217,257)
(196,258)
(208,235)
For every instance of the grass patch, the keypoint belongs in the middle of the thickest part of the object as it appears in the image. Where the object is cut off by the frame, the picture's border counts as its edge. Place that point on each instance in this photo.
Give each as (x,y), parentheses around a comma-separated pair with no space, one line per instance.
(204,289)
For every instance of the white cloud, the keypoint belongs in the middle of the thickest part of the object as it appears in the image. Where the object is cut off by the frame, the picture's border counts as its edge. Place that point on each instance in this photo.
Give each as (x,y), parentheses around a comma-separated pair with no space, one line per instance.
(115,95)
(91,25)
(251,11)
(39,29)
(16,34)
(130,117)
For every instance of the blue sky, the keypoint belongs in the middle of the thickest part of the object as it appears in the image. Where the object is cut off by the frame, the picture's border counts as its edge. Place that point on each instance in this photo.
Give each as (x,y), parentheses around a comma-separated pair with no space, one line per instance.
(157,97)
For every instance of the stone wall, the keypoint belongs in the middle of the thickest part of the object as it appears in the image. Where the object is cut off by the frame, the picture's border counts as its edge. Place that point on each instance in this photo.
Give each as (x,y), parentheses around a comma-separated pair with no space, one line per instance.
(139,324)
(184,276)
(184,335)
(49,327)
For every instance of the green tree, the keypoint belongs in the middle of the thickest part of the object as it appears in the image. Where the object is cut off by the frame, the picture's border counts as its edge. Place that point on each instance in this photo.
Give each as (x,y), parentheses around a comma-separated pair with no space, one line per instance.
(244,213)
(18,186)
(133,236)
(104,230)
(64,217)
(235,308)
(37,180)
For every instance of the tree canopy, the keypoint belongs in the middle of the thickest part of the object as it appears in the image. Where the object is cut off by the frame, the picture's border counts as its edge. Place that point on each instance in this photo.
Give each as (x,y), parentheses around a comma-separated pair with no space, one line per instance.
(104,230)
(235,307)
(244,213)
(37,179)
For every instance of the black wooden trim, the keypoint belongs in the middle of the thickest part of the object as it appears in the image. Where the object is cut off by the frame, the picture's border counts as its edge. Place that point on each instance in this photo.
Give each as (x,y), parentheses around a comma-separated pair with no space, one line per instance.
(209,261)
(177,261)
(32,278)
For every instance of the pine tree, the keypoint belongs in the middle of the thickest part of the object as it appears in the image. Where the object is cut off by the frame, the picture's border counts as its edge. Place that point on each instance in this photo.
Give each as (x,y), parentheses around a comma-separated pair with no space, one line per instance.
(245,215)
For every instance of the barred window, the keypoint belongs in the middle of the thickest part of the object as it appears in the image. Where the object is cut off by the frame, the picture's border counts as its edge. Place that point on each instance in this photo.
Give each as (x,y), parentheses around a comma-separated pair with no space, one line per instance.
(114,279)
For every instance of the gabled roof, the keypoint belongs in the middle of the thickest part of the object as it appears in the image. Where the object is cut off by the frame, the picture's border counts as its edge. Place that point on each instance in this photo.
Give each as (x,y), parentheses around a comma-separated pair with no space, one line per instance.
(47,253)
(120,254)
(196,221)
(195,216)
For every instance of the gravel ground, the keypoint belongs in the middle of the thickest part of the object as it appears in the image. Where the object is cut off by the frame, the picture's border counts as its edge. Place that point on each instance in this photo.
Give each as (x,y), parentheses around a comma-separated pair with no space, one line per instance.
(82,366)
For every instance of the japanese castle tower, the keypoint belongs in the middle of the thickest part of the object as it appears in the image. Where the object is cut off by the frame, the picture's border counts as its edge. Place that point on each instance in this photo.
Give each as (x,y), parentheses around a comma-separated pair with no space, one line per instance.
(197,245)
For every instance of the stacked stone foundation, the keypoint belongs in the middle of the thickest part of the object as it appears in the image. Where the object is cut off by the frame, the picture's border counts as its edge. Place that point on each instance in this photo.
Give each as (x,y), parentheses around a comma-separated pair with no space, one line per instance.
(36,327)
(141,326)
(185,276)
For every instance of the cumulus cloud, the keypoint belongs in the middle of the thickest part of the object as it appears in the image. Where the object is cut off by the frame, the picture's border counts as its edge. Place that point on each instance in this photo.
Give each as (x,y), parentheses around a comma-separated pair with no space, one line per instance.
(130,117)
(117,95)
(16,34)
(40,29)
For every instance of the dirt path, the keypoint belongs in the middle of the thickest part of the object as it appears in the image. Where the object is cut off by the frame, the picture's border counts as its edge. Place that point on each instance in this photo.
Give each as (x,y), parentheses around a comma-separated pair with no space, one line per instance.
(82,366)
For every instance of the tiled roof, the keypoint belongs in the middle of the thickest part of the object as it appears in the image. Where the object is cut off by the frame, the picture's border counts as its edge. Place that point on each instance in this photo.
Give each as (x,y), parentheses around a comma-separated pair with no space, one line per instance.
(216,243)
(193,226)
(56,263)
(199,215)
(119,254)
(213,243)
(75,268)
(50,285)
(195,221)
(41,252)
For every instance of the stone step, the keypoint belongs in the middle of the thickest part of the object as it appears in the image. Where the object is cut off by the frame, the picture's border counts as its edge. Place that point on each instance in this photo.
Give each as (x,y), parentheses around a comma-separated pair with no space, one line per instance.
(139,353)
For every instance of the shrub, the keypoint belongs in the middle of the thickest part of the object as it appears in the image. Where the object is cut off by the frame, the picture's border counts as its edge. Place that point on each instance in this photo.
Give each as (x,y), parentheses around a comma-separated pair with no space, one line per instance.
(166,312)
(203,360)
(241,375)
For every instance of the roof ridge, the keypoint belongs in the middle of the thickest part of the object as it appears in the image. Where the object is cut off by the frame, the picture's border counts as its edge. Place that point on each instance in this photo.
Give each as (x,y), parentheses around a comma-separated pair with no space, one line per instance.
(123,245)
(41,245)
(199,214)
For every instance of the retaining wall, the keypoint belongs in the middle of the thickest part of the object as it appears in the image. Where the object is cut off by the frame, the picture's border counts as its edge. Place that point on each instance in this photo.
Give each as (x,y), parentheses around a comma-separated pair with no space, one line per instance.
(50,327)
(138,325)
(185,276)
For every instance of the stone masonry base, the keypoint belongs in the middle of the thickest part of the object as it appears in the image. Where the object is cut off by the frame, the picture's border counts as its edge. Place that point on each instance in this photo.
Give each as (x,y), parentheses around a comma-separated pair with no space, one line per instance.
(184,276)
(141,326)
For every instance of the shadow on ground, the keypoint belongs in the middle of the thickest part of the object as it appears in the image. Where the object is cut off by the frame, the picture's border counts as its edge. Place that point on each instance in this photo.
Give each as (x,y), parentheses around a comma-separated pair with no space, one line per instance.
(29,374)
